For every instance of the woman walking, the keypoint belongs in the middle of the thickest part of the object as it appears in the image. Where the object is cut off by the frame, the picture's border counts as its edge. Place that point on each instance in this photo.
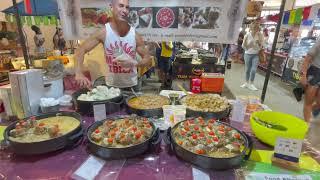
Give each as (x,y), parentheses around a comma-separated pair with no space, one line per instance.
(252,44)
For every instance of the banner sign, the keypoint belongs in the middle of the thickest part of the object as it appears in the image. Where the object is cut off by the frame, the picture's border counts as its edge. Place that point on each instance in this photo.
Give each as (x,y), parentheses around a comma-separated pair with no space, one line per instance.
(215,21)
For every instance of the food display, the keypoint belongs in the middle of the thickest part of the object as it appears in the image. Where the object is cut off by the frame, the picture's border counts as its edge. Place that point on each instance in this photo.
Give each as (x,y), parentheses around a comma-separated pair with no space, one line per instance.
(209,138)
(148,102)
(32,130)
(100,93)
(205,102)
(123,132)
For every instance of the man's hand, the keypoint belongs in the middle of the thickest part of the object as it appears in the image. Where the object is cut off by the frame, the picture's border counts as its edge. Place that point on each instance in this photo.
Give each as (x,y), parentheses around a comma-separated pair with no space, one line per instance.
(82,81)
(125,61)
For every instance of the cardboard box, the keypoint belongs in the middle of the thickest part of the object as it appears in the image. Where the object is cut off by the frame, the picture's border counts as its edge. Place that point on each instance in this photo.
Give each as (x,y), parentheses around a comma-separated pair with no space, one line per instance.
(26,88)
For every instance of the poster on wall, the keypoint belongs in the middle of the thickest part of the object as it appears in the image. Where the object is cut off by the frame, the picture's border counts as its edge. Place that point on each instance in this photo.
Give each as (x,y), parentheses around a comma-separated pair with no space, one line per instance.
(176,20)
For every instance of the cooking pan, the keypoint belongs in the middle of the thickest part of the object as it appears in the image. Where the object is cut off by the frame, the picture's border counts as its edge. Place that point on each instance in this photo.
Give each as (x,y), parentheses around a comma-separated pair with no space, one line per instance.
(54,144)
(86,107)
(216,115)
(157,112)
(151,144)
(206,161)
(185,59)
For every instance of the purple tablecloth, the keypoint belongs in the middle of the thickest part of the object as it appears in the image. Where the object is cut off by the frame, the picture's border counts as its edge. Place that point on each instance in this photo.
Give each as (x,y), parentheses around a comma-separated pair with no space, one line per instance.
(62,164)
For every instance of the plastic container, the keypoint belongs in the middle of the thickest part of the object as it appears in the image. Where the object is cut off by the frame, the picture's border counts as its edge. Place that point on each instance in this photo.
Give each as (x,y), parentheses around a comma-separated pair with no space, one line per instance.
(212,82)
(295,128)
(174,113)
(238,111)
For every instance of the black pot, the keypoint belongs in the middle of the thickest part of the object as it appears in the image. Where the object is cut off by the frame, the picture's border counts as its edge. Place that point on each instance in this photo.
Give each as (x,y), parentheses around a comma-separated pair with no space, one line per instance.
(66,141)
(86,107)
(216,115)
(158,112)
(210,162)
(152,144)
(208,59)
(183,59)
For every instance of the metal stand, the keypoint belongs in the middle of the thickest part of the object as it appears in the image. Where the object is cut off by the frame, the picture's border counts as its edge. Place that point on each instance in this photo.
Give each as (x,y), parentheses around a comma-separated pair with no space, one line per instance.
(266,81)
(21,36)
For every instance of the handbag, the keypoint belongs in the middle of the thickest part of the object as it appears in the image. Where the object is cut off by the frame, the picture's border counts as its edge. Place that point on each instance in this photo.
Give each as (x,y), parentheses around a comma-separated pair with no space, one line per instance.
(262,56)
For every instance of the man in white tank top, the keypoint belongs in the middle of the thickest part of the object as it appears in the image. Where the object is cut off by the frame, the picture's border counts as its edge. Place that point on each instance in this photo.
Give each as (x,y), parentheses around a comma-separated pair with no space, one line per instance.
(121,43)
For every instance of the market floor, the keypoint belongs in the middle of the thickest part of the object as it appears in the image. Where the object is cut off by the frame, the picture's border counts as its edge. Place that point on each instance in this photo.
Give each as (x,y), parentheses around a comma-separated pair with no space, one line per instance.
(279,96)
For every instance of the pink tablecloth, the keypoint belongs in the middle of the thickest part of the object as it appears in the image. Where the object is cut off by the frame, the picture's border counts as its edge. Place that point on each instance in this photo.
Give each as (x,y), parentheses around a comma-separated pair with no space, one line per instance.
(62,164)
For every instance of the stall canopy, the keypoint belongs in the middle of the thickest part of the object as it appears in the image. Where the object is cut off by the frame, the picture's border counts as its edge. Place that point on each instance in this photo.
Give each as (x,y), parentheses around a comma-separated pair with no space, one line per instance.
(39,8)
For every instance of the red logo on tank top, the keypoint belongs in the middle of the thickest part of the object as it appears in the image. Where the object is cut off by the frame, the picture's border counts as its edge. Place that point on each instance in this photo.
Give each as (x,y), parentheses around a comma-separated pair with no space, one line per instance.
(113,66)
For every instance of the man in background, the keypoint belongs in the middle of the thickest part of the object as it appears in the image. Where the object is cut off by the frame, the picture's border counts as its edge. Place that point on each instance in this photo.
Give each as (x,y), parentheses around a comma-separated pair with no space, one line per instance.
(164,63)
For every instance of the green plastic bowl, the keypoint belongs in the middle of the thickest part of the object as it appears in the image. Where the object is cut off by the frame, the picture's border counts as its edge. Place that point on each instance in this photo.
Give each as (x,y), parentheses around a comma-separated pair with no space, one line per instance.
(295,127)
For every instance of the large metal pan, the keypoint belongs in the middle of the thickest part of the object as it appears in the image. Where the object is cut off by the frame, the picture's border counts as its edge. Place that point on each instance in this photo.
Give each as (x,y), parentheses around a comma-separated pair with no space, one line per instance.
(118,153)
(157,112)
(54,144)
(86,107)
(206,161)
(216,115)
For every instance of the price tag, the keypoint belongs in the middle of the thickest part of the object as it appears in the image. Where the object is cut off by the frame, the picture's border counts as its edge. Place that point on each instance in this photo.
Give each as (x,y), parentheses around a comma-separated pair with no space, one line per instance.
(199,174)
(265,176)
(99,112)
(89,169)
(288,149)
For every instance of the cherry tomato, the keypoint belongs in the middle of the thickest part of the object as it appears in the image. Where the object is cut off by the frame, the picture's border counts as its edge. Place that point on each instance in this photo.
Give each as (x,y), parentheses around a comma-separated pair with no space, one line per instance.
(215,139)
(237,136)
(212,121)
(196,128)
(211,133)
(138,135)
(183,133)
(180,142)
(200,151)
(209,141)
(194,136)
(210,126)
(97,131)
(110,140)
(187,128)
(134,129)
(201,134)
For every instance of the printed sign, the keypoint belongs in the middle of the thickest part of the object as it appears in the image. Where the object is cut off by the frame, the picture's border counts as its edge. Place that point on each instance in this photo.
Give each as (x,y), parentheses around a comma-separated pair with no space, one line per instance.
(163,20)
(288,149)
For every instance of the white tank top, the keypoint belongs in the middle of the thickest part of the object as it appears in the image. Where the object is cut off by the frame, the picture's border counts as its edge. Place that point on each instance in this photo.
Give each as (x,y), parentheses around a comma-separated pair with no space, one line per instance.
(116,75)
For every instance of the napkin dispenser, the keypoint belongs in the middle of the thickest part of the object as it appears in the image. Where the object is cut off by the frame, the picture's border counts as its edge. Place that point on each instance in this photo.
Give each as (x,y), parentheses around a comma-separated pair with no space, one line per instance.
(27,88)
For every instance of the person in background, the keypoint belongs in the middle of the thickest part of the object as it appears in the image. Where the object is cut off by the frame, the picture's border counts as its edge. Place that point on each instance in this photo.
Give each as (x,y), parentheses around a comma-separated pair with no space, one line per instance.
(59,42)
(310,79)
(38,40)
(253,42)
(165,63)
(239,58)
(121,44)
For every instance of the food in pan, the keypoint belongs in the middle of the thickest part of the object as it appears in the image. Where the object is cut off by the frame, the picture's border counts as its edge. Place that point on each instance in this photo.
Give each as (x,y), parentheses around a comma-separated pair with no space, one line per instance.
(123,132)
(209,138)
(100,93)
(32,130)
(205,102)
(148,102)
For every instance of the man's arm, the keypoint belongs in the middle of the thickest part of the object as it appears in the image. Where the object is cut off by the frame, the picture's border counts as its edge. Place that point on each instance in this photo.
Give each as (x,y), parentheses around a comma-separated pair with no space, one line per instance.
(85,47)
(142,51)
